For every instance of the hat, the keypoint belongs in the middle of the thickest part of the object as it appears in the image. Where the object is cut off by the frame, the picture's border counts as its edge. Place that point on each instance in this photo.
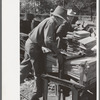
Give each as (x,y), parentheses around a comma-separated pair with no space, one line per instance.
(70,12)
(60,12)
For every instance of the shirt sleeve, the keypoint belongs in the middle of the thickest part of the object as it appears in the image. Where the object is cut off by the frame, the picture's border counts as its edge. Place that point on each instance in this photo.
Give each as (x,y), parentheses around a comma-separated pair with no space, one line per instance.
(49,36)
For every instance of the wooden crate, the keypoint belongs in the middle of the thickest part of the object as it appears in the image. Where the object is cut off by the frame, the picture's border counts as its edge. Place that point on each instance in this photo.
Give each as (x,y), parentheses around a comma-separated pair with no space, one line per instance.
(51,63)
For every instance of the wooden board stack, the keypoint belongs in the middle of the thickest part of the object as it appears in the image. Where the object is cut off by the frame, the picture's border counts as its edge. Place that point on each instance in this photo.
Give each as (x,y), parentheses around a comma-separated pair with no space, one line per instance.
(81,69)
(82,34)
(88,42)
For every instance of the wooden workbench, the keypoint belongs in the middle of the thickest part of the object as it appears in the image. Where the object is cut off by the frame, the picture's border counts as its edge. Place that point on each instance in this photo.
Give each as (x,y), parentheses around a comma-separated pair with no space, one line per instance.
(81,69)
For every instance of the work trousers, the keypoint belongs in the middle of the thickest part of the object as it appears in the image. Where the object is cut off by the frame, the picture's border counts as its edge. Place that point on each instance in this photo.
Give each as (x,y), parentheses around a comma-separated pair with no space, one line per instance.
(33,60)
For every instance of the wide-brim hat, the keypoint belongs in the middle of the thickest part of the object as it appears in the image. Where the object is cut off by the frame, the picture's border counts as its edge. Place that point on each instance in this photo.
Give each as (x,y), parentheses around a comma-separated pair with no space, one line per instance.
(70,12)
(60,12)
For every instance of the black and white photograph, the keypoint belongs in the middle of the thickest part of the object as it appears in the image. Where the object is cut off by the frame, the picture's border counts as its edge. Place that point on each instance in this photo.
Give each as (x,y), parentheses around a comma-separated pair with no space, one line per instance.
(55,56)
(58,49)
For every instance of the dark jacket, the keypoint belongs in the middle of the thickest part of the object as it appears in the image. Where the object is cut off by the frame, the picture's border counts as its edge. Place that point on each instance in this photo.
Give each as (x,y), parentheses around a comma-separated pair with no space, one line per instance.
(62,32)
(44,33)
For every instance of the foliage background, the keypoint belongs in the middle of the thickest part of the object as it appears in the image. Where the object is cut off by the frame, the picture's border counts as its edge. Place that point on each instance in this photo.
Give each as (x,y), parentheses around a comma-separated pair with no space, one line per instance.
(44,6)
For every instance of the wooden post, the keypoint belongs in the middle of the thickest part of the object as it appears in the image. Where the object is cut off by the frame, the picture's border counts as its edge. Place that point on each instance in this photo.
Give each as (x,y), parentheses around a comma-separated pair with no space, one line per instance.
(59,92)
(75,95)
(45,91)
(81,76)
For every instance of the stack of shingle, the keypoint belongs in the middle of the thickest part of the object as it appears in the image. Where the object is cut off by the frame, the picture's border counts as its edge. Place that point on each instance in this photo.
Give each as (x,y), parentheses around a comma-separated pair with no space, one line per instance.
(88,42)
(81,34)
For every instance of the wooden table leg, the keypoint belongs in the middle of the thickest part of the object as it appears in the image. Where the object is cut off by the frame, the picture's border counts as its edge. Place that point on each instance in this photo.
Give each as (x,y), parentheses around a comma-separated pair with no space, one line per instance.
(64,96)
(59,92)
(75,94)
(45,91)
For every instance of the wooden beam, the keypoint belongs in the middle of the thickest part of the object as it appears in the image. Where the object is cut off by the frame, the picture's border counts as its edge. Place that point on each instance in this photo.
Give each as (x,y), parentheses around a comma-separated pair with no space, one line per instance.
(62,82)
